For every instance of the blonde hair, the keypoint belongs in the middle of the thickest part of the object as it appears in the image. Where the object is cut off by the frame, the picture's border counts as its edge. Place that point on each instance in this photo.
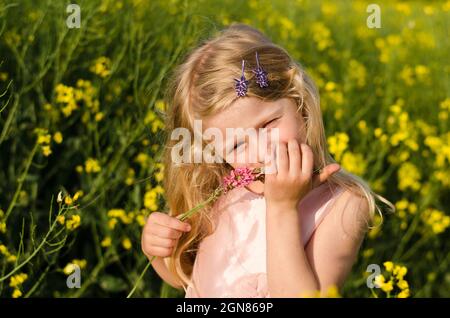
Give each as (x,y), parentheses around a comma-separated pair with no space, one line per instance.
(202,86)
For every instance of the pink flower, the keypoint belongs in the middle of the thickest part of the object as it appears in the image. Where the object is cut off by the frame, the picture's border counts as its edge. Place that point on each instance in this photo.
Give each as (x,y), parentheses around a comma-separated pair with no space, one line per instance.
(239,177)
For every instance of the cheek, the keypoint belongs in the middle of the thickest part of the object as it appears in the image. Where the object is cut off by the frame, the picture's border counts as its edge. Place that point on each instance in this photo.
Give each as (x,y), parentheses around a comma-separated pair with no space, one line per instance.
(291,129)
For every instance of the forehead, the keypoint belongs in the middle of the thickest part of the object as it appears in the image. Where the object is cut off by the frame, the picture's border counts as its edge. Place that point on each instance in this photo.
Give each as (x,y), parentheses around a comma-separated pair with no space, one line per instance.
(245,112)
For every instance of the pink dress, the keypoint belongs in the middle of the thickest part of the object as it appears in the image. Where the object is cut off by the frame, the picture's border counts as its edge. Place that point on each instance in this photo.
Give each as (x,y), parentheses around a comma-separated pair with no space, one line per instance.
(231,262)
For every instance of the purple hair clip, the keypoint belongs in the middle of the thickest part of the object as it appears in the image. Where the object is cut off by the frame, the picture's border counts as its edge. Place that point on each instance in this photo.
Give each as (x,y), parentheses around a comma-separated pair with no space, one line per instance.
(241,85)
(261,75)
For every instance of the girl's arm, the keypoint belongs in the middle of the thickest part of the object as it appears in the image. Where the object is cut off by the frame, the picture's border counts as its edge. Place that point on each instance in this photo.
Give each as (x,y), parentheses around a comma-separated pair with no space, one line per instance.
(289,273)
(334,246)
(294,271)
(163,272)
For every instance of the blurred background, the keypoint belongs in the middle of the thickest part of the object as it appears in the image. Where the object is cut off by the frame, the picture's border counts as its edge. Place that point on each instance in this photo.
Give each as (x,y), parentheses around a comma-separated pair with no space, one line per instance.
(81,129)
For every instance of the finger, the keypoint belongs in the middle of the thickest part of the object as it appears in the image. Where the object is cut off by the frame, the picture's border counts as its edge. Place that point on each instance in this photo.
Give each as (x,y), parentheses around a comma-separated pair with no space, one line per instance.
(159,251)
(307,160)
(283,159)
(165,232)
(270,166)
(295,157)
(325,174)
(157,241)
(173,223)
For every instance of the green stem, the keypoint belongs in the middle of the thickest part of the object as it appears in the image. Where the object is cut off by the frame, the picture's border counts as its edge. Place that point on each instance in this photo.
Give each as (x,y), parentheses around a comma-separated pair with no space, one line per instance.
(44,240)
(21,180)
(140,277)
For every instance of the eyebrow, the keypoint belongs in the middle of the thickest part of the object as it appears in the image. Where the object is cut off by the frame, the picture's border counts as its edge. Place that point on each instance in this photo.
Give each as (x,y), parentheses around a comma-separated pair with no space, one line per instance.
(259,123)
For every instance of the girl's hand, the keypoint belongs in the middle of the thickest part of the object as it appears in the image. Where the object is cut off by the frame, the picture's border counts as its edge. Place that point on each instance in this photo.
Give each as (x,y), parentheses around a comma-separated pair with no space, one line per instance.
(294,176)
(161,233)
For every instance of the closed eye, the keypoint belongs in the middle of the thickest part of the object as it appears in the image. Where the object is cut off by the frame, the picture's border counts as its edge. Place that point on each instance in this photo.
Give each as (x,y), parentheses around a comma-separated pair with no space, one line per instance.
(271,121)
(238,145)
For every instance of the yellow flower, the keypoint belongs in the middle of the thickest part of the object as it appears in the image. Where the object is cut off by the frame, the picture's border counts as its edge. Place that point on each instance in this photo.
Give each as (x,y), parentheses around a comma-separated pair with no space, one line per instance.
(2,227)
(400,271)
(389,266)
(122,215)
(126,243)
(445,104)
(408,177)
(407,75)
(403,294)
(92,166)
(357,73)
(68,200)
(338,144)
(101,66)
(16,293)
(428,10)
(378,132)
(106,242)
(99,116)
(368,253)
(330,86)
(436,220)
(77,195)
(379,280)
(74,222)
(130,176)
(46,151)
(112,223)
(328,9)
(354,163)
(57,137)
(321,35)
(159,175)
(402,284)
(403,8)
(115,213)
(80,262)
(140,219)
(17,280)
(4,250)
(150,200)
(61,219)
(69,268)
(362,125)
(160,105)
(3,76)
(402,204)
(422,71)
(332,292)
(44,139)
(387,287)
(143,159)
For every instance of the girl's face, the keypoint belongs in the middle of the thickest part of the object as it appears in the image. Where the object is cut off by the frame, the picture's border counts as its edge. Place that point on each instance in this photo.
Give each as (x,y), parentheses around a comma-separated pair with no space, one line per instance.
(251,112)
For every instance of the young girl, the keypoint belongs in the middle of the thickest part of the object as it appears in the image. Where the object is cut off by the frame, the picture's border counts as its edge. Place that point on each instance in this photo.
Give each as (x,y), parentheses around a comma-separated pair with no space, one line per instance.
(297,233)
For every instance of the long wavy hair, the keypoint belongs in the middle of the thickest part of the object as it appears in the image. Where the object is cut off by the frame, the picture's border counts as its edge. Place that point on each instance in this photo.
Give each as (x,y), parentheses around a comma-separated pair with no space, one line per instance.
(202,86)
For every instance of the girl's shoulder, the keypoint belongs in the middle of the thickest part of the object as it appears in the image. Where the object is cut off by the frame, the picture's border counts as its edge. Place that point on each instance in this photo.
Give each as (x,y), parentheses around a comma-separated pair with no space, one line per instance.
(353,211)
